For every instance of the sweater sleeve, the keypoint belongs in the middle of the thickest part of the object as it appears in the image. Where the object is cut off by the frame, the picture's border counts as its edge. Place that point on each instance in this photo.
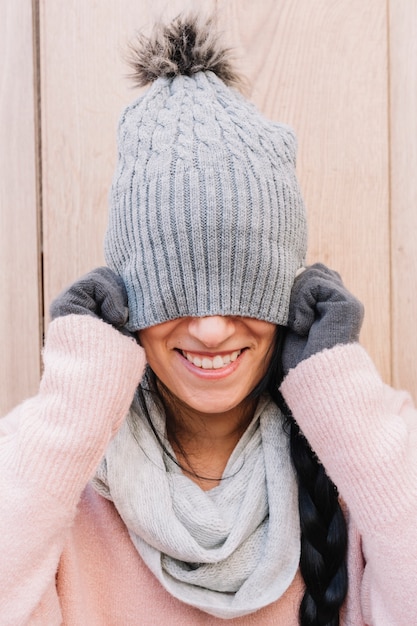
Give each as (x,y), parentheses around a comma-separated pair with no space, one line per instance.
(51,445)
(365,434)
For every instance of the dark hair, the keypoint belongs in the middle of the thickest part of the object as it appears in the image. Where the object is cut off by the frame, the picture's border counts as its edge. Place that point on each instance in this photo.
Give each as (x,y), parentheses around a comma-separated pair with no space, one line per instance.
(323,525)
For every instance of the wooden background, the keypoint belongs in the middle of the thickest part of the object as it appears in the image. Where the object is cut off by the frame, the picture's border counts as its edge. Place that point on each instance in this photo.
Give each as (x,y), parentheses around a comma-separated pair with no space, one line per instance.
(343,74)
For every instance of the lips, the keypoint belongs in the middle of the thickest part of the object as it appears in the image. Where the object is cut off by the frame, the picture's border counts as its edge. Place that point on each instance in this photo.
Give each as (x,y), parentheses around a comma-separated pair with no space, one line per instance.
(216,362)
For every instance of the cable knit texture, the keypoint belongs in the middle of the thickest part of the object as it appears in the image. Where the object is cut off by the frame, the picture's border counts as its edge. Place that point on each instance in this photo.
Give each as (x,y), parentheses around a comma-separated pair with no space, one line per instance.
(62,566)
(206,214)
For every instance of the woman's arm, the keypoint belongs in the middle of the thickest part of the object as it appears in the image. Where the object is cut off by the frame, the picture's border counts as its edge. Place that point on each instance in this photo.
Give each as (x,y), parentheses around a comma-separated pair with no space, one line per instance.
(365,434)
(49,449)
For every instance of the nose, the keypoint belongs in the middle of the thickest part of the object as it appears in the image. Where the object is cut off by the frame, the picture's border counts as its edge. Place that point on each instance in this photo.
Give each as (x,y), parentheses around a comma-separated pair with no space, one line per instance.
(211,331)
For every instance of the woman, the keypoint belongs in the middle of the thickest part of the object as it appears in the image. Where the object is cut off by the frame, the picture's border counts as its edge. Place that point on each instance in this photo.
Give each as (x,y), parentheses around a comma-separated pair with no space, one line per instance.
(184,492)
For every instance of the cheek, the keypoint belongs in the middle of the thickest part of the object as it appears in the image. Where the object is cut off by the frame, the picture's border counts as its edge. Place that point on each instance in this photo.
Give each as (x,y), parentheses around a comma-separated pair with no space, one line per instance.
(260,368)
(155,358)
(256,374)
(152,351)
(162,364)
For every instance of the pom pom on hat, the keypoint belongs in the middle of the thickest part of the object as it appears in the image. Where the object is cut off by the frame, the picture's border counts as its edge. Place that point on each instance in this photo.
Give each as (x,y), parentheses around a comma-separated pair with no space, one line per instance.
(184,47)
(206,214)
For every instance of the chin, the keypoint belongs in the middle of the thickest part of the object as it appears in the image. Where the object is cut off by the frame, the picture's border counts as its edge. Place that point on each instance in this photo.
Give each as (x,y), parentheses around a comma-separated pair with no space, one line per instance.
(215,406)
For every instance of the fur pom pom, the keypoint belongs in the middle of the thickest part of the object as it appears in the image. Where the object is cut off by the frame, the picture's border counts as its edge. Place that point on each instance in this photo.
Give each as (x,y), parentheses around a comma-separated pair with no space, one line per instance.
(185,46)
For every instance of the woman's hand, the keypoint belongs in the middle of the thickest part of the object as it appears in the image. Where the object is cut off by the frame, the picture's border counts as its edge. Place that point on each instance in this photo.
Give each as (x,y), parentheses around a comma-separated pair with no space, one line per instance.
(323,314)
(100,293)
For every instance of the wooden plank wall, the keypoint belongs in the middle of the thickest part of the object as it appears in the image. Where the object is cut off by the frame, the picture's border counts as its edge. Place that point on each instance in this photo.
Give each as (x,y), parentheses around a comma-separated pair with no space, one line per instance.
(403,180)
(20,278)
(343,74)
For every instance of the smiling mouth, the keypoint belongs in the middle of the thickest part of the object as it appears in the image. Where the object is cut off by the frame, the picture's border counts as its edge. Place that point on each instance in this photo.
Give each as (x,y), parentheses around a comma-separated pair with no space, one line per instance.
(215,363)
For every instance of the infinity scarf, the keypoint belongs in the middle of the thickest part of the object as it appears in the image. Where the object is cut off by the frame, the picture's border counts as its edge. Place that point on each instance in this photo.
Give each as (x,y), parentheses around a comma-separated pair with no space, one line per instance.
(228,551)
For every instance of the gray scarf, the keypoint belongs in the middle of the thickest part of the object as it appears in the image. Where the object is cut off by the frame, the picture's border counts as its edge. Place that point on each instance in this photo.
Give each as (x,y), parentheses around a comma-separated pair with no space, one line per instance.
(229,551)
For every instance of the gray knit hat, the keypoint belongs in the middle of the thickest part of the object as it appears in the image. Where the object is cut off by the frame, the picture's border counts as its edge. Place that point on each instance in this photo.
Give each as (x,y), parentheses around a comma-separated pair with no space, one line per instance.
(206,214)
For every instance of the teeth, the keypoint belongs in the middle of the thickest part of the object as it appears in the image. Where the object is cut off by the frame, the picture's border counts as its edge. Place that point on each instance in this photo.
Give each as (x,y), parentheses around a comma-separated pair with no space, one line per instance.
(206,363)
(217,362)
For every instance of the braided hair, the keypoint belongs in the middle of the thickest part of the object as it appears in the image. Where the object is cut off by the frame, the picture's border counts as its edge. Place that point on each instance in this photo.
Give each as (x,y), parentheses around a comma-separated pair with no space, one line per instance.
(323,526)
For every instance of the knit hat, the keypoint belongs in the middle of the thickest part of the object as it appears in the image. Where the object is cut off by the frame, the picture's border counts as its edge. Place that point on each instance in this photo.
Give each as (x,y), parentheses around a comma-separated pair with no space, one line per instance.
(206,214)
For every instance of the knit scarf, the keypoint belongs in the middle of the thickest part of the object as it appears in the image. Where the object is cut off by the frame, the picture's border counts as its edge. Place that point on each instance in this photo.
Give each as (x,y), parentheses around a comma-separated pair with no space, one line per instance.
(228,551)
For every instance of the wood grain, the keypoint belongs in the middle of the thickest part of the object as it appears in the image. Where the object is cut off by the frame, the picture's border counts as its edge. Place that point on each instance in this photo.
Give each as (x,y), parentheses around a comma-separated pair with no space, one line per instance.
(403,83)
(20,318)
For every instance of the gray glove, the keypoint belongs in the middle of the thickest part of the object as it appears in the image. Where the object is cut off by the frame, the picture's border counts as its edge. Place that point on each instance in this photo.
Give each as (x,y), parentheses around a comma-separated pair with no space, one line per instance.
(100,293)
(323,313)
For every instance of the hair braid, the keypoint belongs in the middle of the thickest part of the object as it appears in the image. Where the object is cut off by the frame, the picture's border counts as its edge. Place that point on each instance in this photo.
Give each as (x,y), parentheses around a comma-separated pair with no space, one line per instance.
(323,525)
(323,538)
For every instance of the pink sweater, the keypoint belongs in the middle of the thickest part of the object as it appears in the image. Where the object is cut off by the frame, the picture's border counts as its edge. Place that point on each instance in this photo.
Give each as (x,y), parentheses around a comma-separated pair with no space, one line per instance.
(66,557)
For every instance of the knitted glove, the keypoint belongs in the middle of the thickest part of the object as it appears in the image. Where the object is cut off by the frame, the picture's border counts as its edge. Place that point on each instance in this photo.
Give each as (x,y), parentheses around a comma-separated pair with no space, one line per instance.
(100,293)
(322,314)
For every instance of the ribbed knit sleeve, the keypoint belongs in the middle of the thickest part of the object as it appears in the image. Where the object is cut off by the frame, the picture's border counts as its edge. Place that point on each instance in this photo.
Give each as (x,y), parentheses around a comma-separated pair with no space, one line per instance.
(365,434)
(49,448)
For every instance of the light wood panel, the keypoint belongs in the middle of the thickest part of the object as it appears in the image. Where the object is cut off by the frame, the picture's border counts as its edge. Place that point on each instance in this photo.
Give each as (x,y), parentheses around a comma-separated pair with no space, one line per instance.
(322,67)
(403,81)
(19,251)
